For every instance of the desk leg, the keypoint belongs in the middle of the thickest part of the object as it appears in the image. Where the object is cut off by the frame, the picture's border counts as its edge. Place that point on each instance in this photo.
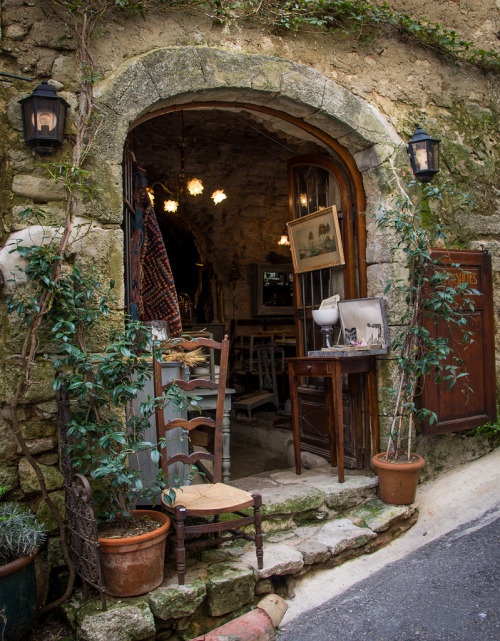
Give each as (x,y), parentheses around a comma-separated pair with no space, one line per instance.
(373,403)
(329,382)
(294,397)
(226,441)
(338,407)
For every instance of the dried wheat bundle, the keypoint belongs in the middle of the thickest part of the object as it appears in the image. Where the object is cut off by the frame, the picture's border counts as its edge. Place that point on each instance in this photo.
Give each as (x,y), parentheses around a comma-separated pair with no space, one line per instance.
(191,359)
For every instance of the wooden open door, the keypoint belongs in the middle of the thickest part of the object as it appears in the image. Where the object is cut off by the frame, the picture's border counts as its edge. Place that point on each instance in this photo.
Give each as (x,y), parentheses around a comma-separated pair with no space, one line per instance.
(456,408)
(316,182)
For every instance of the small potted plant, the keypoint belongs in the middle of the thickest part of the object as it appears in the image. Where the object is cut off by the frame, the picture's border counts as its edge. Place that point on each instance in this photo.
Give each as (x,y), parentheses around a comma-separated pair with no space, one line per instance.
(20,536)
(429,293)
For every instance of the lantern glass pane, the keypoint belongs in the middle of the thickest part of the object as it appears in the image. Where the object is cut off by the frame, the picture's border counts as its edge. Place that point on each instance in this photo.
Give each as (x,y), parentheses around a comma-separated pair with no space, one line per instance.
(28,122)
(433,154)
(44,118)
(420,156)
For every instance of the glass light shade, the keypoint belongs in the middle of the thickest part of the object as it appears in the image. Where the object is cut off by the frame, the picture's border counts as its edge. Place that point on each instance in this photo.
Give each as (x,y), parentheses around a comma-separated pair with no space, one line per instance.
(151,195)
(195,186)
(171,206)
(218,196)
(283,240)
(303,200)
(424,155)
(44,118)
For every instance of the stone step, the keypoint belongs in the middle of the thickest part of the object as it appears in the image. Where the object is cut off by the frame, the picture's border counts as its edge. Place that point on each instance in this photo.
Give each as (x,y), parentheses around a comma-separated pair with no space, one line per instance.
(310,521)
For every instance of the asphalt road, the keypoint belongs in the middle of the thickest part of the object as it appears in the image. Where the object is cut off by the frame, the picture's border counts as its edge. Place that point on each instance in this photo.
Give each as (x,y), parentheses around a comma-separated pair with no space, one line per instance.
(448,590)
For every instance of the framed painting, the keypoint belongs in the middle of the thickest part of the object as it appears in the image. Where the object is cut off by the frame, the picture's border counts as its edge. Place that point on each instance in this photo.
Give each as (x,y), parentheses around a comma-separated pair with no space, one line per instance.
(315,241)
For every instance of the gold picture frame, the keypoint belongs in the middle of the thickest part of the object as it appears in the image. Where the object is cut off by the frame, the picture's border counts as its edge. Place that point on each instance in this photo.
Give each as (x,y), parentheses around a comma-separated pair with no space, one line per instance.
(315,241)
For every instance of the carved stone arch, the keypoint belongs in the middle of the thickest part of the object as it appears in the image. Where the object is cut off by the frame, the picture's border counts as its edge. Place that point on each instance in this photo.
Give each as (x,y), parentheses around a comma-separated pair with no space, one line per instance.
(167,79)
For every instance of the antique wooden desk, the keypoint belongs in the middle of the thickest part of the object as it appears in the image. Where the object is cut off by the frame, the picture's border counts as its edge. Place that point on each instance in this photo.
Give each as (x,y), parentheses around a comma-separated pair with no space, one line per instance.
(330,367)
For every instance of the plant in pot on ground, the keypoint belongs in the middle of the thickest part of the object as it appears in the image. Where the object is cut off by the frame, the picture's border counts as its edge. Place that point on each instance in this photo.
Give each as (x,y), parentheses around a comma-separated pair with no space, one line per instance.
(430,292)
(20,536)
(103,431)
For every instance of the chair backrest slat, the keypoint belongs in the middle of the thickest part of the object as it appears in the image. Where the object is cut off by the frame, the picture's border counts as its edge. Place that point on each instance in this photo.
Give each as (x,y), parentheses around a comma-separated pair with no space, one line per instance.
(198,384)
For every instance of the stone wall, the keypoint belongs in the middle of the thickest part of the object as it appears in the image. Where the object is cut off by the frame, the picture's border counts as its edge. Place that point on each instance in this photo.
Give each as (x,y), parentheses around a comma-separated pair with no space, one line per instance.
(367,93)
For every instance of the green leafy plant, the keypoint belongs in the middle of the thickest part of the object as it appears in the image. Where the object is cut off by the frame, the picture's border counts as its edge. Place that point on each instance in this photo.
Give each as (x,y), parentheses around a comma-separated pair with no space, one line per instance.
(430,292)
(20,532)
(103,431)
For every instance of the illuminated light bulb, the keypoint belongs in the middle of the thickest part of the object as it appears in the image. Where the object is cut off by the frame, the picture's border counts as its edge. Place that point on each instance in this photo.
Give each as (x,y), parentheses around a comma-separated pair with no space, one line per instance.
(218,196)
(151,195)
(45,119)
(283,240)
(303,200)
(171,206)
(195,187)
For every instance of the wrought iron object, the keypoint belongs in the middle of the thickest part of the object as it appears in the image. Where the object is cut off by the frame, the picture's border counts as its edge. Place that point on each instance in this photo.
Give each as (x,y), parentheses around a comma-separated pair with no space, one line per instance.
(81,523)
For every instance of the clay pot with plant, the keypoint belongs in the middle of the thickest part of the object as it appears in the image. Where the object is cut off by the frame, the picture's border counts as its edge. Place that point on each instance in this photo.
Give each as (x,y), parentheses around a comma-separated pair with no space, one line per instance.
(430,293)
(103,432)
(20,536)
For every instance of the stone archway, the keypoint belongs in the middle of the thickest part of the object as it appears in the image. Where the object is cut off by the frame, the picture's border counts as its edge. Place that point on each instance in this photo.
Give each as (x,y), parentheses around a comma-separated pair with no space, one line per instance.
(167,78)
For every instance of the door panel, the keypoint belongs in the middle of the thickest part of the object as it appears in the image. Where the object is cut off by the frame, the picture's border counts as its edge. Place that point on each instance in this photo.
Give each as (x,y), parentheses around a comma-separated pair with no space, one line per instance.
(458,408)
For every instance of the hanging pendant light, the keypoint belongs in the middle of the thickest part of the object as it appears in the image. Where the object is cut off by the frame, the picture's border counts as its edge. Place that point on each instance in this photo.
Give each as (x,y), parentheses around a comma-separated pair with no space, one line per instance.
(218,196)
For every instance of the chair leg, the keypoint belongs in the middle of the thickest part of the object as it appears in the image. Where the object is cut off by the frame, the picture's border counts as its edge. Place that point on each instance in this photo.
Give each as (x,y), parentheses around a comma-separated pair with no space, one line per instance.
(217,535)
(180,517)
(257,503)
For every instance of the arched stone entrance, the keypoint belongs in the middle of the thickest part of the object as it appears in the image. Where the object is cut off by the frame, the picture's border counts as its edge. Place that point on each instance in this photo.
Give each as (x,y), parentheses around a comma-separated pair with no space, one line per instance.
(192,78)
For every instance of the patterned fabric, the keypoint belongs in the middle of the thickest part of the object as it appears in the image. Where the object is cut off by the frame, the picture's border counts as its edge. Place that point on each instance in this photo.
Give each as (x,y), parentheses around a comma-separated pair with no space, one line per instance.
(158,296)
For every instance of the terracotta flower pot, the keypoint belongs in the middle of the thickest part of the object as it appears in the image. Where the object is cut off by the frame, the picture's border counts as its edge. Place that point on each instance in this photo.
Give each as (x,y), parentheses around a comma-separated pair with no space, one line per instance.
(17,598)
(397,482)
(134,565)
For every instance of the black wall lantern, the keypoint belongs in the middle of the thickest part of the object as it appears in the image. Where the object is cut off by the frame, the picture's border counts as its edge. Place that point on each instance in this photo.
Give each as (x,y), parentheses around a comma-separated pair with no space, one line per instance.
(424,155)
(44,118)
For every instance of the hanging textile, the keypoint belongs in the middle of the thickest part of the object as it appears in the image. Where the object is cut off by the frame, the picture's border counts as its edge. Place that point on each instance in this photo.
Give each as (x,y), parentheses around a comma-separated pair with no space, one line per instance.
(154,296)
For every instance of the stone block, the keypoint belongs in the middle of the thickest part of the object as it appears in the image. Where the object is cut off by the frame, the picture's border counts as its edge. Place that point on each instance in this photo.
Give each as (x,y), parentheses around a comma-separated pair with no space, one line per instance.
(128,623)
(8,442)
(45,516)
(39,445)
(290,499)
(378,516)
(279,558)
(342,535)
(341,496)
(230,587)
(313,551)
(264,586)
(9,478)
(40,190)
(175,601)
(29,480)
(35,428)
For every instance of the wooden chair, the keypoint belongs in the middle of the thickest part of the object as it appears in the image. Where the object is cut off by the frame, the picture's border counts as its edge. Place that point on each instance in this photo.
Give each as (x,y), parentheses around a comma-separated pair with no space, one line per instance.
(207,499)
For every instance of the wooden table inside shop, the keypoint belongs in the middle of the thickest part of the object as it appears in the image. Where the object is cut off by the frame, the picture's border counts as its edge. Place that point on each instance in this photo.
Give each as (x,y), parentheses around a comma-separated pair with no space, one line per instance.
(330,367)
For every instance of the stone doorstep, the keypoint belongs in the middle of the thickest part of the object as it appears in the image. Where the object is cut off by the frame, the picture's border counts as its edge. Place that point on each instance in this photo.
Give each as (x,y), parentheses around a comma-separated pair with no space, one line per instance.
(223,583)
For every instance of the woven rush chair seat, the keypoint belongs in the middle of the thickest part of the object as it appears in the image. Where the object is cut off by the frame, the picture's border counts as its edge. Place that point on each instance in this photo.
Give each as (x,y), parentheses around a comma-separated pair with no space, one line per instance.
(210,498)
(207,499)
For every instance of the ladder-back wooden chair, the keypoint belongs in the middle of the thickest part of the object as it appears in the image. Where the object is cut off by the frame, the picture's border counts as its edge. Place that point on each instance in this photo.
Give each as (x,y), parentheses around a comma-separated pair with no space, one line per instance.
(213,498)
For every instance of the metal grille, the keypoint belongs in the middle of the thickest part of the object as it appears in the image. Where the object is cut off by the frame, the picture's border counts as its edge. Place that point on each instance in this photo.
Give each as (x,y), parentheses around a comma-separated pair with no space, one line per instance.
(83,540)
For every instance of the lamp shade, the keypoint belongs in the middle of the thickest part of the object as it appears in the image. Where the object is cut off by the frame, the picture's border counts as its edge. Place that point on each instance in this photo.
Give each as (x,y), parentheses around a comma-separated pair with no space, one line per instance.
(424,155)
(44,118)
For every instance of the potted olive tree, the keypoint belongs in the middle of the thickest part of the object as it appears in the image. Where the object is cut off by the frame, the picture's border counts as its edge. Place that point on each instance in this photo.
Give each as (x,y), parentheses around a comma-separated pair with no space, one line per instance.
(429,292)
(20,536)
(103,431)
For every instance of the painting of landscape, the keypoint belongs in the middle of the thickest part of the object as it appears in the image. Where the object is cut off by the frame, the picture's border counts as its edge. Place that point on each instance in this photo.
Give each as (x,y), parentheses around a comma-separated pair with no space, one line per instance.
(315,241)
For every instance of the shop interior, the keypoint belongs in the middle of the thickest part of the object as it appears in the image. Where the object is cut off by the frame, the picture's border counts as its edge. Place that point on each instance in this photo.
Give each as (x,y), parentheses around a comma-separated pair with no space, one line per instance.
(222,196)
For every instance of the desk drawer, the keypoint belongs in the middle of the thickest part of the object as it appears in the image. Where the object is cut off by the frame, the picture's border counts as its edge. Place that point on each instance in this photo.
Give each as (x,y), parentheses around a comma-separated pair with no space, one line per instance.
(311,368)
